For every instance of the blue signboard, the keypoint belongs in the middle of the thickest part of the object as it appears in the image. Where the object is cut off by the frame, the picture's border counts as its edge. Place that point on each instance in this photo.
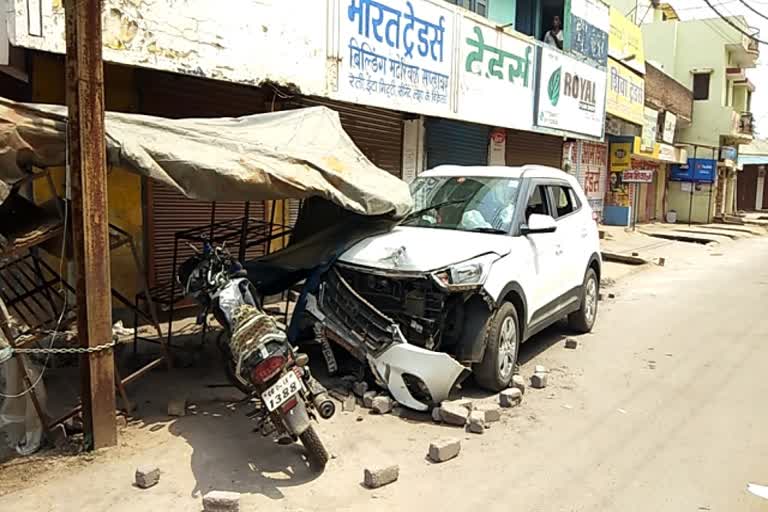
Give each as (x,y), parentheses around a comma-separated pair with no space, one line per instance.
(681,172)
(702,170)
(588,40)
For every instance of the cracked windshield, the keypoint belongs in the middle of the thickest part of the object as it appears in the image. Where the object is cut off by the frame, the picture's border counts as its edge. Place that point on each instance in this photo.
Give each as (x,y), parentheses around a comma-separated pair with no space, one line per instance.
(464,203)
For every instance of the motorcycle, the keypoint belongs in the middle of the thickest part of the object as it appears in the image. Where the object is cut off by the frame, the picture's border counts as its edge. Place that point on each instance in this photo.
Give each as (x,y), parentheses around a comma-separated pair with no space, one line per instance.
(259,360)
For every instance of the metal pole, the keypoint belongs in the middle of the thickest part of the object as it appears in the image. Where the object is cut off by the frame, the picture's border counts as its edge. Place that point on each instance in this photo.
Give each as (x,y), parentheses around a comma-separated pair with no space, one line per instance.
(634,206)
(711,186)
(690,197)
(88,177)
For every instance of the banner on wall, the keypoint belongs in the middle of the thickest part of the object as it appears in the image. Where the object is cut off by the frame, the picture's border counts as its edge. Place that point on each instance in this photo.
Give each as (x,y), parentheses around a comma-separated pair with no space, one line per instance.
(620,160)
(396,54)
(571,94)
(625,96)
(588,163)
(625,42)
(587,24)
(670,123)
(496,77)
(650,128)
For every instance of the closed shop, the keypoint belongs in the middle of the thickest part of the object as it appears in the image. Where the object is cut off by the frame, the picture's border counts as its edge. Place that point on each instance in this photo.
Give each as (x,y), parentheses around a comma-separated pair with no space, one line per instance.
(167,211)
(456,143)
(646,192)
(377,132)
(588,162)
(533,148)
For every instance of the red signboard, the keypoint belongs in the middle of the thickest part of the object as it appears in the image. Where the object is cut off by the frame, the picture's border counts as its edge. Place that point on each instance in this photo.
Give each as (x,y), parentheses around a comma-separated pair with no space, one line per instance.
(637,176)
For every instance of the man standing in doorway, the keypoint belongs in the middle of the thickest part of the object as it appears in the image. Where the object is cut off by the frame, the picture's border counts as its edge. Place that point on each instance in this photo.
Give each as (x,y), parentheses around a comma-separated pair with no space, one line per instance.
(554,36)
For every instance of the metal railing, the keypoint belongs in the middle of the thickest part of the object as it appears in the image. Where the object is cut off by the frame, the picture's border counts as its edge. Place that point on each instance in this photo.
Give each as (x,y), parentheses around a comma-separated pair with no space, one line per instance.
(745,123)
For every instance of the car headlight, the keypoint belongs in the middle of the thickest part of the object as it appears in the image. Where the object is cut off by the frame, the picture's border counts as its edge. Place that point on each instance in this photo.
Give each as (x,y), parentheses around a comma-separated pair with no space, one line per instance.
(467,274)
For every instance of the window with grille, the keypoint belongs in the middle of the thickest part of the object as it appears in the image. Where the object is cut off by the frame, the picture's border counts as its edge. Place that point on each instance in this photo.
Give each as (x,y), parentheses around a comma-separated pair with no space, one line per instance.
(477,6)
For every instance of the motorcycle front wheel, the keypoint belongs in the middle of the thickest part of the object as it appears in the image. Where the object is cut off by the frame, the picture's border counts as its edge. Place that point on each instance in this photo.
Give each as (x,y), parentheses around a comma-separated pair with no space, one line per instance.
(316,453)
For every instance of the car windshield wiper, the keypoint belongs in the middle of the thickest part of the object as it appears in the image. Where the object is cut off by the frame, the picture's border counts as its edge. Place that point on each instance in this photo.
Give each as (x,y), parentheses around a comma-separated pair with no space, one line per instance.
(415,214)
(488,230)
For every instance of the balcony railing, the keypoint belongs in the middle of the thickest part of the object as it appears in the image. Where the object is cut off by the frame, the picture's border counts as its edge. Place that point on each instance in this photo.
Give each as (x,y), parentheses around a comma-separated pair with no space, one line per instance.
(745,123)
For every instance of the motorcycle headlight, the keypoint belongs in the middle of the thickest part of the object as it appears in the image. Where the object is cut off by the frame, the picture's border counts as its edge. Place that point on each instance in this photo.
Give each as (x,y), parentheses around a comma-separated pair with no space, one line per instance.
(467,274)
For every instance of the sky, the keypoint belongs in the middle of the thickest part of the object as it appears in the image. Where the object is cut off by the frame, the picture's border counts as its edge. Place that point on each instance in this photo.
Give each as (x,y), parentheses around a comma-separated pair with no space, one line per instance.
(698,9)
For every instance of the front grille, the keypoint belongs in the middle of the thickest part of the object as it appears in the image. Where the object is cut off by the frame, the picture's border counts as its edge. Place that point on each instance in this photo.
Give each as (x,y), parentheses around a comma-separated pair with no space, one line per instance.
(346,308)
(415,303)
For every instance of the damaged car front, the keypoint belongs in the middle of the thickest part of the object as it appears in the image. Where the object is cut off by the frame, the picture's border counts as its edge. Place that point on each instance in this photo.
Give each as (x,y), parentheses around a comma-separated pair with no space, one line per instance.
(412,302)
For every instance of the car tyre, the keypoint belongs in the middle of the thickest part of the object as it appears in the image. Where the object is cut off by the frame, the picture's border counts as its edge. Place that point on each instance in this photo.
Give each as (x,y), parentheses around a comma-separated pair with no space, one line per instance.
(583,320)
(502,330)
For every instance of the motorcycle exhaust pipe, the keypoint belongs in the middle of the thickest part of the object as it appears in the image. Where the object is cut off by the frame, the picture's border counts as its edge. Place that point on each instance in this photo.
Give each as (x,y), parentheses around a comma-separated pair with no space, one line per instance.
(324,405)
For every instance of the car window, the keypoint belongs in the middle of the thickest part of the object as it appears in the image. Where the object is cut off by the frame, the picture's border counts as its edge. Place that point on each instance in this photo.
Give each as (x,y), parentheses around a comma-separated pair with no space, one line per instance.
(537,203)
(575,199)
(563,200)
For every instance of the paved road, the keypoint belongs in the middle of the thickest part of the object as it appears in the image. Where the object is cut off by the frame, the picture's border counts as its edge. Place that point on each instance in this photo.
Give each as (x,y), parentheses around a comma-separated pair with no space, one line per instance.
(663,408)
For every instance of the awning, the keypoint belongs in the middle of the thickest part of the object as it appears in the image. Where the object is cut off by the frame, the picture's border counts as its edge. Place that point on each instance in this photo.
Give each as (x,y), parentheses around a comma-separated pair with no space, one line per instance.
(283,155)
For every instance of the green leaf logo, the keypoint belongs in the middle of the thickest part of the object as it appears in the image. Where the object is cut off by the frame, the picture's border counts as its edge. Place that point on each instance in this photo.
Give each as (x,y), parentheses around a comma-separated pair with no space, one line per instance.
(553,87)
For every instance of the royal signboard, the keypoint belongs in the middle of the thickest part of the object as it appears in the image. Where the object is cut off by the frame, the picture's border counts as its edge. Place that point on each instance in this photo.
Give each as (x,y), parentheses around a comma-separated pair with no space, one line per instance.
(625,42)
(626,93)
(496,77)
(587,24)
(570,94)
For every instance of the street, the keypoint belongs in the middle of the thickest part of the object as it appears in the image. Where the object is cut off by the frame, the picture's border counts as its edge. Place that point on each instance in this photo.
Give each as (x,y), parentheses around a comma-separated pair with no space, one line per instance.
(661,408)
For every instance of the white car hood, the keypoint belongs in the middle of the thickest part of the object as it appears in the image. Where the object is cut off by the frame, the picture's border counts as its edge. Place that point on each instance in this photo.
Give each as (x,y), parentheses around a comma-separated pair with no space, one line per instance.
(423,249)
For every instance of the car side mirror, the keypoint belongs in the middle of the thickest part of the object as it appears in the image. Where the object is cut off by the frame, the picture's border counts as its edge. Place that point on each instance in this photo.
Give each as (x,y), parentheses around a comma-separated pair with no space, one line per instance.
(538,223)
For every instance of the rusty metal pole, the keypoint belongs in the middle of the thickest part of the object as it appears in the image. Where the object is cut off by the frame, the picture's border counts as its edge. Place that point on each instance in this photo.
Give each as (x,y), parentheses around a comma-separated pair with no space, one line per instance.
(90,223)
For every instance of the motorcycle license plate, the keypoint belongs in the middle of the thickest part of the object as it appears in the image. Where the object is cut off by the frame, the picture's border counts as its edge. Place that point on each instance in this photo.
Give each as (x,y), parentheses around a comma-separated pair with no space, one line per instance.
(281,391)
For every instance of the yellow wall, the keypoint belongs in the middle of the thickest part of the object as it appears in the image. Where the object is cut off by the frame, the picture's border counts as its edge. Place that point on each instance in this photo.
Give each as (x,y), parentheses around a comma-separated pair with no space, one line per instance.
(123,187)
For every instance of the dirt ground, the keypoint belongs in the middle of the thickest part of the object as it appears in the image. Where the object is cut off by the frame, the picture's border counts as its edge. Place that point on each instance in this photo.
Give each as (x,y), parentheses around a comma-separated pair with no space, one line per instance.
(661,408)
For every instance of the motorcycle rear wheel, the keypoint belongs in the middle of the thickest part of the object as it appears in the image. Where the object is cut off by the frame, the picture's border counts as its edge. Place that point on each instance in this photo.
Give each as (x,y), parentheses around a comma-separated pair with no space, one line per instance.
(316,452)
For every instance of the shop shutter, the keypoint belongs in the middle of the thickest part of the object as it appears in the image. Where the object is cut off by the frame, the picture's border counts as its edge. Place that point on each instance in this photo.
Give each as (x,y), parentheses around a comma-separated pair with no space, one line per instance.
(533,148)
(168,212)
(377,132)
(456,143)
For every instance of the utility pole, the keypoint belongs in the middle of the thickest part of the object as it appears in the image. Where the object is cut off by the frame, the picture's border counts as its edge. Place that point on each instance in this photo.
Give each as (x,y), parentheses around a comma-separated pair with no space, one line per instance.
(90,223)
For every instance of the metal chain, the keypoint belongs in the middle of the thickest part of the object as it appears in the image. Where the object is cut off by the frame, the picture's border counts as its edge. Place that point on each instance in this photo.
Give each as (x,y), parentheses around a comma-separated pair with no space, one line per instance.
(66,350)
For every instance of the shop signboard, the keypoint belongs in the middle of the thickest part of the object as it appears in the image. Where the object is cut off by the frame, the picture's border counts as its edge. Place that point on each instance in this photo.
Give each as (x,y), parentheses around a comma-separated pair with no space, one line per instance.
(570,94)
(625,42)
(496,77)
(637,176)
(728,153)
(704,170)
(650,129)
(396,54)
(620,160)
(587,24)
(625,96)
(701,170)
(670,123)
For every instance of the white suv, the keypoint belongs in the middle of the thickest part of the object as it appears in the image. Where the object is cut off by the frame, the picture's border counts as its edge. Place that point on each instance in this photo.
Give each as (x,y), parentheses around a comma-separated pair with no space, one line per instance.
(489,257)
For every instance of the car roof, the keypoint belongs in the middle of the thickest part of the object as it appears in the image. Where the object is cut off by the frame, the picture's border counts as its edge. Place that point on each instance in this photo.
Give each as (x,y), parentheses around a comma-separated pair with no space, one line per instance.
(496,171)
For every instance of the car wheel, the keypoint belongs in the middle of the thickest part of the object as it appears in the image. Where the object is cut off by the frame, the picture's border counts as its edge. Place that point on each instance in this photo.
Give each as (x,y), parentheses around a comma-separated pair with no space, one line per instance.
(496,369)
(583,320)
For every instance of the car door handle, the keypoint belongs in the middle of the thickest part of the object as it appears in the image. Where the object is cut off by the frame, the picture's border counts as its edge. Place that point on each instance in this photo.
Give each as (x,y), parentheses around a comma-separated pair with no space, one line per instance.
(584,233)
(558,250)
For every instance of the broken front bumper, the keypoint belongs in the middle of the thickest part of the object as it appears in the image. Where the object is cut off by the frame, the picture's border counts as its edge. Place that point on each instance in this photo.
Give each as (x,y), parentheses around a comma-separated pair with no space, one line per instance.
(417,378)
